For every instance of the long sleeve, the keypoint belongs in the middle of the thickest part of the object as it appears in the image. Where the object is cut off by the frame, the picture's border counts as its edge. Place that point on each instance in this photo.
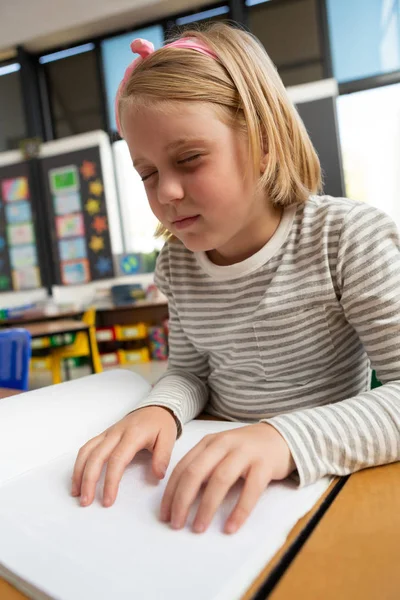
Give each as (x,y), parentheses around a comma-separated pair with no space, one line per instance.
(183,389)
(364,430)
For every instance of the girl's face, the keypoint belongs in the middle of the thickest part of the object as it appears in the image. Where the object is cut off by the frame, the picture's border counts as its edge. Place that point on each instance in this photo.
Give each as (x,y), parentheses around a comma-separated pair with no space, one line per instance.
(198,179)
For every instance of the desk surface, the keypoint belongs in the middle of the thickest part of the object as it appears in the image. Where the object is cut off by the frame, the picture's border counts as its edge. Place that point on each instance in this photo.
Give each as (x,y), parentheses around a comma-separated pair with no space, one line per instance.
(5,392)
(354,550)
(36,316)
(54,327)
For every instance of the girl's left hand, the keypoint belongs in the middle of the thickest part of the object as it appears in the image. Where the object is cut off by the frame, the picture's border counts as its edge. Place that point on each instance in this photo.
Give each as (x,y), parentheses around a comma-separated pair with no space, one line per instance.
(257,453)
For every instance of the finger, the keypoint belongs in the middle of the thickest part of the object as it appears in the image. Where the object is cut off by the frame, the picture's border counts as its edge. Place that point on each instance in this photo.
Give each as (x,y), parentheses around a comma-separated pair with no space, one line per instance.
(190,482)
(165,511)
(80,463)
(222,479)
(94,465)
(118,460)
(256,482)
(162,452)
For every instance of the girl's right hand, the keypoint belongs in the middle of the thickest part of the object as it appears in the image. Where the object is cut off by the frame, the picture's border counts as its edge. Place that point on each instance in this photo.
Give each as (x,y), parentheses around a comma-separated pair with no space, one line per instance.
(152,428)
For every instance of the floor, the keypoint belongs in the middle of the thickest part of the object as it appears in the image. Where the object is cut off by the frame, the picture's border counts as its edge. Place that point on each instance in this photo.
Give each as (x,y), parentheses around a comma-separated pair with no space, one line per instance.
(151,371)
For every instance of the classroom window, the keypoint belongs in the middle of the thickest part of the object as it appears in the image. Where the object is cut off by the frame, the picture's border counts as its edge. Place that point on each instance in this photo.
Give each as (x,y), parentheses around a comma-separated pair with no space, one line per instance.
(370,143)
(365,37)
(12,120)
(290,33)
(219,13)
(117,55)
(254,2)
(74,90)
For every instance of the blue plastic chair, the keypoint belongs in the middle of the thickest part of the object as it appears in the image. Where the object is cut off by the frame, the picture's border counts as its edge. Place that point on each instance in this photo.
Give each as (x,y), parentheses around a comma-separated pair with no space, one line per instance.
(15,354)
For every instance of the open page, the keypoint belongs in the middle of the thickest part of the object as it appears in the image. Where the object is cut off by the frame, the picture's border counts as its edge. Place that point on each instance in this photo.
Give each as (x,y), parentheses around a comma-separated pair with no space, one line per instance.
(55,548)
(38,426)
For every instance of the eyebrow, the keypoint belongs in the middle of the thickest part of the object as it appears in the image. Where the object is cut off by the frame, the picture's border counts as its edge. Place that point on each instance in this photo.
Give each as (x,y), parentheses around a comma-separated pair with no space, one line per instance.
(183,141)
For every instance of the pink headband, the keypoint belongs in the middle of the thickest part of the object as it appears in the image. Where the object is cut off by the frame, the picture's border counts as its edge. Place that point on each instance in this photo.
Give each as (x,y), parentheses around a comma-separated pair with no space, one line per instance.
(145,48)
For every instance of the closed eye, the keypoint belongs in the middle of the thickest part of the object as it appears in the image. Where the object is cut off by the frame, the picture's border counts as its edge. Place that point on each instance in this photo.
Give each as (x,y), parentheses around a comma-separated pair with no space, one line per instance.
(189,159)
(180,162)
(145,177)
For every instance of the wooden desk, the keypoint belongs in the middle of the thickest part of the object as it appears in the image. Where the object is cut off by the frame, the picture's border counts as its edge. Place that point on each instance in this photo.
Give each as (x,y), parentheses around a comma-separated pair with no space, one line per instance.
(108,314)
(55,327)
(142,311)
(37,316)
(354,550)
(5,392)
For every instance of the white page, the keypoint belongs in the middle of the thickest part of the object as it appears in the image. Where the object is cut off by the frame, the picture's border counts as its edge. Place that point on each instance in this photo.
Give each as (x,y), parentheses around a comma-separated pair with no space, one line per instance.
(38,426)
(75,553)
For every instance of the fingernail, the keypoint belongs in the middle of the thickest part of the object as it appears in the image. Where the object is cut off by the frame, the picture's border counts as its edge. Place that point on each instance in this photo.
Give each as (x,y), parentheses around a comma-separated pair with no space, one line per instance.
(74,490)
(163,470)
(199,527)
(107,501)
(176,524)
(231,527)
(84,500)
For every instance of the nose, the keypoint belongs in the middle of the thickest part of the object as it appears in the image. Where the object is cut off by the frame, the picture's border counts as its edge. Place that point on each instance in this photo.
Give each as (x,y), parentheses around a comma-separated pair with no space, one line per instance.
(170,189)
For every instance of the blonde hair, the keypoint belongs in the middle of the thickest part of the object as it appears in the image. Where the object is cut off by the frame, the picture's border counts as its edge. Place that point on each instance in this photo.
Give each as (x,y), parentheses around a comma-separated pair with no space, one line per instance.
(244,84)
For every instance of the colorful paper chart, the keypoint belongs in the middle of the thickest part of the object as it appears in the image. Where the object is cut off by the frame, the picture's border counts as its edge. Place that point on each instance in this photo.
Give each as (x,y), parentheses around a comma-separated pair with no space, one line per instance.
(63,180)
(70,226)
(72,249)
(22,257)
(18,212)
(77,204)
(103,265)
(26,279)
(88,169)
(19,235)
(67,203)
(15,189)
(75,272)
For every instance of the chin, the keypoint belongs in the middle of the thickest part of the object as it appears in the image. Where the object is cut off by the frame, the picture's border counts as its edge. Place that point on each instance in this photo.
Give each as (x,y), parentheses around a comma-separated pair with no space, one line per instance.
(196,243)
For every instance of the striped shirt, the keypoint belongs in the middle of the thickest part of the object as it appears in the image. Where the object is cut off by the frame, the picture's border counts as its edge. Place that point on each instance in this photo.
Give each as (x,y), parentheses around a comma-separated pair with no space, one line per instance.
(288,336)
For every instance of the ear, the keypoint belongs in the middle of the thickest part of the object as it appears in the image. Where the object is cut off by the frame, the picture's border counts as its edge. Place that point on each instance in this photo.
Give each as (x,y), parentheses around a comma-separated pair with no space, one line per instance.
(263,162)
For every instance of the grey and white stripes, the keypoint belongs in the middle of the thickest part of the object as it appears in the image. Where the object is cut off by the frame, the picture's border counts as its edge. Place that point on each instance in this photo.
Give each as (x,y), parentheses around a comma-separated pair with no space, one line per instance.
(287,336)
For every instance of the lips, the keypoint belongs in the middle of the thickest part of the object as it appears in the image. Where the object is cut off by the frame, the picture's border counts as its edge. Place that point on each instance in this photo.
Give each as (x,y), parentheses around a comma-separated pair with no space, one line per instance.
(185,222)
(180,219)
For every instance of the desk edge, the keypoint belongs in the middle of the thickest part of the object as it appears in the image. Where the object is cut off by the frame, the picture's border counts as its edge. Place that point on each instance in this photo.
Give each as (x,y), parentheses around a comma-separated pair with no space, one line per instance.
(277,572)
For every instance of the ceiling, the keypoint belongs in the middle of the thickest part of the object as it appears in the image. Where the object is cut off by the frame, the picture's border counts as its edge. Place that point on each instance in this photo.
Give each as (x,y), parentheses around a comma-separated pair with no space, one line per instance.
(40,25)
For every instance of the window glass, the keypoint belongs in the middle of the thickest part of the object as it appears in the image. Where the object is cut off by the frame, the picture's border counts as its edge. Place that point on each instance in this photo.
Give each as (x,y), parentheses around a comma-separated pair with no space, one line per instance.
(117,55)
(365,37)
(369,126)
(12,119)
(74,90)
(290,34)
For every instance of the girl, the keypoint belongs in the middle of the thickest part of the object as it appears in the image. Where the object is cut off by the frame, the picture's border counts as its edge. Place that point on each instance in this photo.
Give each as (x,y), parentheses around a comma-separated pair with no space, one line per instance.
(278,298)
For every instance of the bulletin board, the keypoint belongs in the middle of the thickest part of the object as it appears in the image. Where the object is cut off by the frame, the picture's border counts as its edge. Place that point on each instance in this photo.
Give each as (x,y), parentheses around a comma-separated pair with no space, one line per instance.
(75,199)
(19,262)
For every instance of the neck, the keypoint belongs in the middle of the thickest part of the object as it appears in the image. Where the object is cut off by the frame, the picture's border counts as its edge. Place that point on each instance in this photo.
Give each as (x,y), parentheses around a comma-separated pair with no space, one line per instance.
(249,240)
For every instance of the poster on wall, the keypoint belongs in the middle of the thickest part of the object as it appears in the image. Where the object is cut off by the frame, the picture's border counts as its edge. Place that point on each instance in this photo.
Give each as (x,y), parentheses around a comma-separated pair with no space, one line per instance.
(19,263)
(76,202)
